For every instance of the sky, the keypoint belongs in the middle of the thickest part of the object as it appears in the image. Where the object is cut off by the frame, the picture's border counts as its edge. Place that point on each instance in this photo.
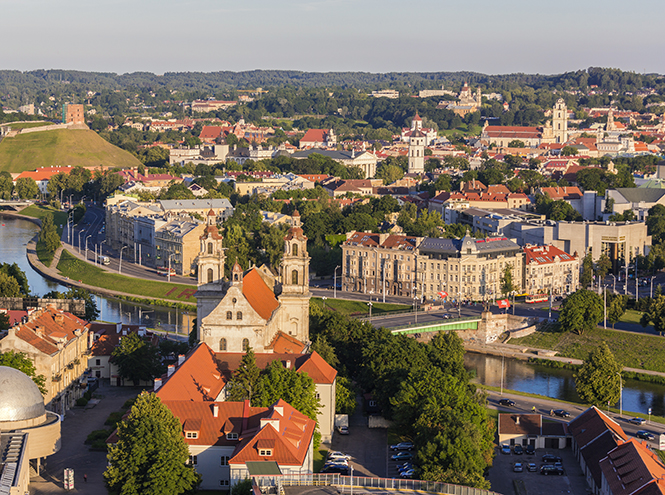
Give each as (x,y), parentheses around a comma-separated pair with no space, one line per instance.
(487,36)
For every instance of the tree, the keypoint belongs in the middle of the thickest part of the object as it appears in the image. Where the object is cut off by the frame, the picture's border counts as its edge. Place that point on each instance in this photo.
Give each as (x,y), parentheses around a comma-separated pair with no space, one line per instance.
(21,362)
(14,271)
(48,235)
(603,266)
(325,350)
(616,307)
(26,188)
(136,359)
(655,314)
(9,287)
(150,457)
(389,174)
(91,311)
(569,151)
(516,143)
(581,311)
(587,271)
(345,396)
(507,285)
(597,381)
(242,385)
(6,185)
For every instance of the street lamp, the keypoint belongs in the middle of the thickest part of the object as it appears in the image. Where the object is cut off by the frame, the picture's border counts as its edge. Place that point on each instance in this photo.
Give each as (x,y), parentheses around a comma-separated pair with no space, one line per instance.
(604,307)
(620,395)
(169,272)
(81,232)
(370,311)
(614,287)
(502,359)
(86,246)
(120,264)
(651,290)
(415,308)
(324,302)
(101,249)
(335,282)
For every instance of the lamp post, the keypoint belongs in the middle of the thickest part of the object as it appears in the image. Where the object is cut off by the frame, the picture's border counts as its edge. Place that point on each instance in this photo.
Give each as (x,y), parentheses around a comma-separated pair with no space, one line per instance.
(604,307)
(335,282)
(120,264)
(86,246)
(620,395)
(514,303)
(81,232)
(169,272)
(614,287)
(502,359)
(415,308)
(101,249)
(370,311)
(324,302)
(459,304)
(651,290)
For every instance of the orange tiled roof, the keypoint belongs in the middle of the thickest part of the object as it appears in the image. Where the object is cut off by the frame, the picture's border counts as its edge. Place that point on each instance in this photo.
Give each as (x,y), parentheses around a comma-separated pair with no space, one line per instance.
(44,173)
(314,136)
(197,379)
(286,344)
(258,294)
(49,326)
(318,369)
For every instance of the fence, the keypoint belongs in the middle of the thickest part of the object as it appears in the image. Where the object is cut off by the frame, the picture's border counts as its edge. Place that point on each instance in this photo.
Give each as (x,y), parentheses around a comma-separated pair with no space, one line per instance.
(344,483)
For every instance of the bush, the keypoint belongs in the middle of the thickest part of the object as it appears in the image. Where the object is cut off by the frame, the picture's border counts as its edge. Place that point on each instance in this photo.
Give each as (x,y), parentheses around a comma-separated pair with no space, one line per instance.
(128,403)
(88,395)
(97,435)
(82,401)
(99,445)
(113,419)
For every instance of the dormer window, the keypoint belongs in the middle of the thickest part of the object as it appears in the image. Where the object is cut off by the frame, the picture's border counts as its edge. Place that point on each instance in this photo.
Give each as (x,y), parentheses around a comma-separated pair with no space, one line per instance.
(191,434)
(232,436)
(265,452)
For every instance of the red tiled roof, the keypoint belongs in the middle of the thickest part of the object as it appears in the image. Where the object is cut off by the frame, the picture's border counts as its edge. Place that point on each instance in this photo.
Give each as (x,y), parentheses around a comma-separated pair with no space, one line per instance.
(258,294)
(198,378)
(314,136)
(363,239)
(286,344)
(210,132)
(542,255)
(47,327)
(44,173)
(631,467)
(515,132)
(566,193)
(318,369)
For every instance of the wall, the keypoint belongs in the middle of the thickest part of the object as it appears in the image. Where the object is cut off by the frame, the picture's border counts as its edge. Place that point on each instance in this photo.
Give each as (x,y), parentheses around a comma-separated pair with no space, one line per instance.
(74,306)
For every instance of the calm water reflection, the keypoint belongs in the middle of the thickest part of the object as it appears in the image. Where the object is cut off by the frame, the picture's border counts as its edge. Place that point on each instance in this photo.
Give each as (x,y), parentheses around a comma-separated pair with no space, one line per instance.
(14,237)
(558,383)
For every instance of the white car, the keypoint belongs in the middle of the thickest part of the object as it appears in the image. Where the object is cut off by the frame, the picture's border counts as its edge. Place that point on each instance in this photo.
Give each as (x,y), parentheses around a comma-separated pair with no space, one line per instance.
(338,455)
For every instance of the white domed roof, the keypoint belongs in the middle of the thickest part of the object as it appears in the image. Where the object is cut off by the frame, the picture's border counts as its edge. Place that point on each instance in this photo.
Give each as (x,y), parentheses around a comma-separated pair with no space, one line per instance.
(20,398)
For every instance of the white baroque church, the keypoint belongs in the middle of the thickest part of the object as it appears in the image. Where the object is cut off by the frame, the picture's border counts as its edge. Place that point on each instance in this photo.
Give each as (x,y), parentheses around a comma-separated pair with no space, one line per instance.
(254,308)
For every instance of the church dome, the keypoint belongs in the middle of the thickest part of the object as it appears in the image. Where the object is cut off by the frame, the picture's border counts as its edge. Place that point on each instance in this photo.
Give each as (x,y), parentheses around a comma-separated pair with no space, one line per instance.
(20,398)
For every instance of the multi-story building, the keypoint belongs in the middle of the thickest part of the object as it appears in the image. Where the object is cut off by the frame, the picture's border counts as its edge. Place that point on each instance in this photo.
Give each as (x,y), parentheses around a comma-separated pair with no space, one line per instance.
(121,218)
(550,270)
(379,263)
(58,344)
(221,206)
(467,268)
(177,244)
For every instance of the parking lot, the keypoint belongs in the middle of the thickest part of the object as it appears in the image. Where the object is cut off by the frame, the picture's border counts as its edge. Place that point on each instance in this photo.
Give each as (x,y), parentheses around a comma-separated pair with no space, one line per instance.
(502,476)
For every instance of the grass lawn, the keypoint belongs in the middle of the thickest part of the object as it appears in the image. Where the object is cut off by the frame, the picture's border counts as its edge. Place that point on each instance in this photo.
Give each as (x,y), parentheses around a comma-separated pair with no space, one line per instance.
(39,211)
(633,350)
(61,148)
(359,307)
(631,316)
(45,256)
(77,269)
(27,125)
(319,459)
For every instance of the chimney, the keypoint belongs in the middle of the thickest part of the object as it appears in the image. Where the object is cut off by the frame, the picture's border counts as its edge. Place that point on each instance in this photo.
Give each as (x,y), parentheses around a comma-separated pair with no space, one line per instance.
(517,420)
(215,410)
(181,359)
(59,318)
(170,370)
(158,383)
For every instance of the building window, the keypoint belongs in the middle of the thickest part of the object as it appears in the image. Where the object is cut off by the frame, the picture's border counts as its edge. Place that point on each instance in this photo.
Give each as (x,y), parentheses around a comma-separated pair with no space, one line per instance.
(223,482)
(245,345)
(222,344)
(98,362)
(239,315)
(229,315)
(232,436)
(295,250)
(265,452)
(210,275)
(294,277)
(192,434)
(210,248)
(225,460)
(192,460)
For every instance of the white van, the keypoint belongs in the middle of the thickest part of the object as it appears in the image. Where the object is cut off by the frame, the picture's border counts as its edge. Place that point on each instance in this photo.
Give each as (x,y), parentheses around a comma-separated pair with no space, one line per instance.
(105,260)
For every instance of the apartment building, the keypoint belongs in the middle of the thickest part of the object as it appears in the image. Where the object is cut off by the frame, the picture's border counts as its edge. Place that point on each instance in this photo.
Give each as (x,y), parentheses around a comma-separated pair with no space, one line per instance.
(379,263)
(58,344)
(177,244)
(467,268)
(548,269)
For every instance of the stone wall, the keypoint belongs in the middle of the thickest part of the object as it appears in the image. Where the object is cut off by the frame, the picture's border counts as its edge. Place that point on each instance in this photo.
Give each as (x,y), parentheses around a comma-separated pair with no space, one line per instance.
(73,306)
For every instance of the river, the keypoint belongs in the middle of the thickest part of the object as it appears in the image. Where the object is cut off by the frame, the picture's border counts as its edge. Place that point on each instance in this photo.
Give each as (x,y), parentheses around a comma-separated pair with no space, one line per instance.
(14,237)
(558,383)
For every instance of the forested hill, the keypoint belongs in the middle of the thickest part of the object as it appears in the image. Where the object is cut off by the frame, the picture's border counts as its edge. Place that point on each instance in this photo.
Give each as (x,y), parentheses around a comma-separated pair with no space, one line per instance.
(40,80)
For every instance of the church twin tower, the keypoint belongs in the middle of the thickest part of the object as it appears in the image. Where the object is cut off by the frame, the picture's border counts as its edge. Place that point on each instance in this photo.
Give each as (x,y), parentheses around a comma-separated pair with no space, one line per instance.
(254,308)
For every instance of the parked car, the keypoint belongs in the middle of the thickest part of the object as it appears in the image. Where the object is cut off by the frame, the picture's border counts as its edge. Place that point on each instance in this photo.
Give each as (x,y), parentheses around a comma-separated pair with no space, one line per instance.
(342,462)
(517,467)
(447,316)
(561,413)
(507,402)
(408,473)
(529,450)
(531,467)
(547,469)
(518,450)
(505,449)
(402,456)
(645,435)
(336,454)
(335,468)
(343,430)
(405,467)
(402,446)
(637,421)
(551,458)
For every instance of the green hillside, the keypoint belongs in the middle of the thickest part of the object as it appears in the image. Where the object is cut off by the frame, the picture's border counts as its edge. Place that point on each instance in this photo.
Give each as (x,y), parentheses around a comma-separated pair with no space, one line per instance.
(60,148)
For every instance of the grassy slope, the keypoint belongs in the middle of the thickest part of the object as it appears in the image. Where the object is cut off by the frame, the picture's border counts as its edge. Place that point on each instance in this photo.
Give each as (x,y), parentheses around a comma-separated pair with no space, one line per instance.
(77,269)
(359,307)
(59,148)
(36,211)
(27,125)
(633,350)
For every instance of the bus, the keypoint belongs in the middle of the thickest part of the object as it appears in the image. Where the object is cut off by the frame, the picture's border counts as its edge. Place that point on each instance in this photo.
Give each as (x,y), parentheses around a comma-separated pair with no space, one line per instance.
(536,298)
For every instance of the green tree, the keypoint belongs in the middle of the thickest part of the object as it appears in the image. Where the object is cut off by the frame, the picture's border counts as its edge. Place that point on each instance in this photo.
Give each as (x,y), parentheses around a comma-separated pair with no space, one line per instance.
(242,385)
(569,151)
(587,271)
(581,311)
(616,307)
(48,235)
(598,380)
(516,143)
(325,350)
(603,266)
(507,285)
(345,396)
(21,362)
(136,359)
(9,287)
(6,185)
(14,271)
(4,321)
(150,457)
(655,314)
(26,188)
(389,174)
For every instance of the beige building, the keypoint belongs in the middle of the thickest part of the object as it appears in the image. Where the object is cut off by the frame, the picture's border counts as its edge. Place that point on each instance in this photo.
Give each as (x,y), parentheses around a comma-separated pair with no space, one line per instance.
(28,432)
(467,268)
(255,305)
(379,263)
(177,245)
(549,270)
(530,429)
(58,343)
